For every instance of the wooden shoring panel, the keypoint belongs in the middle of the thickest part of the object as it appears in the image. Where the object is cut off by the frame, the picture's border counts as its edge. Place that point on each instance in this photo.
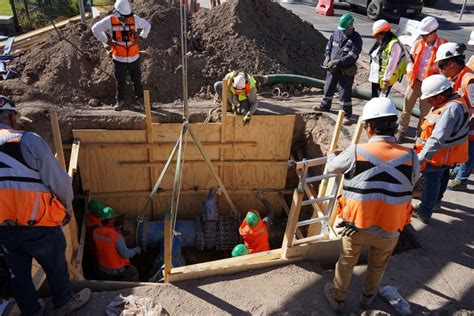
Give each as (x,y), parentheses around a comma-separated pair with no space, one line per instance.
(247,201)
(255,176)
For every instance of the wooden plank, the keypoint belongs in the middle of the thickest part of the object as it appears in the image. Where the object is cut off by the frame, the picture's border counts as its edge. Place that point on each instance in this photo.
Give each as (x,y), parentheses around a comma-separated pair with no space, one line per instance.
(58,144)
(292,222)
(223,127)
(74,158)
(168,230)
(149,139)
(128,164)
(171,144)
(314,229)
(299,234)
(82,238)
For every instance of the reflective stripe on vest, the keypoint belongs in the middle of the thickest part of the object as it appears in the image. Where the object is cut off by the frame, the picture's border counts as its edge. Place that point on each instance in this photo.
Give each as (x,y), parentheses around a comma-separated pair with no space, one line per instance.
(124,36)
(255,238)
(455,147)
(105,240)
(378,192)
(431,66)
(250,83)
(24,199)
(401,69)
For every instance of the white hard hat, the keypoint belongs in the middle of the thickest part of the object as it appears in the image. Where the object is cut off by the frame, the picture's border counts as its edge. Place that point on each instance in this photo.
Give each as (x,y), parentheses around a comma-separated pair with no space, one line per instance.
(6,104)
(428,25)
(380,26)
(377,108)
(123,7)
(471,39)
(434,85)
(448,50)
(239,82)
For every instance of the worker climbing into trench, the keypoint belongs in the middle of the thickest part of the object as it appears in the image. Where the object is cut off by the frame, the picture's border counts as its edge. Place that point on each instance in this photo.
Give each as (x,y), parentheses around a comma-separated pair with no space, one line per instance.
(119,31)
(242,93)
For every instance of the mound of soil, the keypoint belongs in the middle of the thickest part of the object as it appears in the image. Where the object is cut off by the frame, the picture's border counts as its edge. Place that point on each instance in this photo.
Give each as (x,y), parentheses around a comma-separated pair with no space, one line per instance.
(256,36)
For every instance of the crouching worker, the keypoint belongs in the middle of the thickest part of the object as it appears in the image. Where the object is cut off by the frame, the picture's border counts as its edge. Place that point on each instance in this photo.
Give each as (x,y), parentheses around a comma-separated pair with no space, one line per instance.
(241,95)
(114,263)
(254,230)
(376,202)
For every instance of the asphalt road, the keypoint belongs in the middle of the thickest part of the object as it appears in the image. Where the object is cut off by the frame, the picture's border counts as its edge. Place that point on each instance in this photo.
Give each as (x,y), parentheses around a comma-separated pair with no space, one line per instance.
(327,24)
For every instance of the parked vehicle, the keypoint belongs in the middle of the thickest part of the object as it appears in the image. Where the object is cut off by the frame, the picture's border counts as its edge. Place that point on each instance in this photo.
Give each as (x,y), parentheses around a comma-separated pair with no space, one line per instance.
(376,8)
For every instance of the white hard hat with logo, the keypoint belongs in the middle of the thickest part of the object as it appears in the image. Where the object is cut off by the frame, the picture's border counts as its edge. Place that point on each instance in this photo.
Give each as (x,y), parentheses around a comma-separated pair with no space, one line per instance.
(377,108)
(6,104)
(434,85)
(239,82)
(428,25)
(449,50)
(123,8)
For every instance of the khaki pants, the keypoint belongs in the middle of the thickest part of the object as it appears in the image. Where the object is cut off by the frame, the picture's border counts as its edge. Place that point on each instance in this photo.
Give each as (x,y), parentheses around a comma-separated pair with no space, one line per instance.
(412,95)
(380,250)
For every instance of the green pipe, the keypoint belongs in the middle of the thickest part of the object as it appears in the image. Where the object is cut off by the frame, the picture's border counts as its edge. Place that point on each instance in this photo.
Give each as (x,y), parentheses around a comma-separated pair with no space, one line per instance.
(318,83)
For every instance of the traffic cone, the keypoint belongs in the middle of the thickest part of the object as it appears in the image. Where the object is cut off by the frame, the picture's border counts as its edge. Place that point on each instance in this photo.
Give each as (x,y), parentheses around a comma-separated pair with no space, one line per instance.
(325,7)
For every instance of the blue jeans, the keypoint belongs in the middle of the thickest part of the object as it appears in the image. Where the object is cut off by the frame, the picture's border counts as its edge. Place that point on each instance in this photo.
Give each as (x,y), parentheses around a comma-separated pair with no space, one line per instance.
(47,245)
(435,182)
(464,170)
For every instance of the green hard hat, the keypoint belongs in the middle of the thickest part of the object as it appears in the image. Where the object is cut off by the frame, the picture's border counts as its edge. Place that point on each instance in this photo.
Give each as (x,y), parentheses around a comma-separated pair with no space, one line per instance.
(107,213)
(240,250)
(95,206)
(345,22)
(252,219)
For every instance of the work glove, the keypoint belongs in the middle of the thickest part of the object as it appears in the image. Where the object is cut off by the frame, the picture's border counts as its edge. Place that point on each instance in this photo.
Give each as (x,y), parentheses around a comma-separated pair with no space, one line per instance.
(325,62)
(348,229)
(246,119)
(332,64)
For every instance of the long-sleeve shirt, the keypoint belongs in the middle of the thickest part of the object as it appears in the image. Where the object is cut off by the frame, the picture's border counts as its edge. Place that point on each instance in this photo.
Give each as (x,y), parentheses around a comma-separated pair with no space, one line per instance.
(451,119)
(393,61)
(123,250)
(38,156)
(344,49)
(103,30)
(346,161)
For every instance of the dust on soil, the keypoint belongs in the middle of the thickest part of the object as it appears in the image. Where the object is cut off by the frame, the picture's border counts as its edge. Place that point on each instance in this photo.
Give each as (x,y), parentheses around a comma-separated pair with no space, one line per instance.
(264,39)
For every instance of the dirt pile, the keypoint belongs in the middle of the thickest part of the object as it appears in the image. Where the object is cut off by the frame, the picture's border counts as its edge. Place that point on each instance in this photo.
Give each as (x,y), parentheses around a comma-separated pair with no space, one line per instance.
(257,36)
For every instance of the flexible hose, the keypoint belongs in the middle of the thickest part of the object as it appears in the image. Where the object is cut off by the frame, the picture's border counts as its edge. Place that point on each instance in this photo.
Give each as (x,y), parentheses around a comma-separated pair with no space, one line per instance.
(318,83)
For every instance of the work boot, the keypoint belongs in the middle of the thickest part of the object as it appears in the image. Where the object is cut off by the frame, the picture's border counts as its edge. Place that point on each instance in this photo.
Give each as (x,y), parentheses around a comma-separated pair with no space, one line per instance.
(420,217)
(347,121)
(336,305)
(452,174)
(119,106)
(321,108)
(457,185)
(400,137)
(365,301)
(77,301)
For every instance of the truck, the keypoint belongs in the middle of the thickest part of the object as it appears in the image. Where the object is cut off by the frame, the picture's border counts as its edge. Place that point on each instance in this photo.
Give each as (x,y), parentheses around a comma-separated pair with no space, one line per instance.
(376,8)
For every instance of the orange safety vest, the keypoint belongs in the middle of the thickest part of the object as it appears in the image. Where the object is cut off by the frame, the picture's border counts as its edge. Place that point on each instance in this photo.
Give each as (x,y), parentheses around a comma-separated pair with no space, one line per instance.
(431,66)
(124,36)
(24,199)
(105,240)
(255,238)
(461,86)
(470,63)
(455,147)
(378,191)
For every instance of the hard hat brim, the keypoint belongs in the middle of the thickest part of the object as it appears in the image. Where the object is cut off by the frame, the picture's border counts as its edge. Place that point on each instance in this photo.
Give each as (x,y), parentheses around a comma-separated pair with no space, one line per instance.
(363,118)
(471,42)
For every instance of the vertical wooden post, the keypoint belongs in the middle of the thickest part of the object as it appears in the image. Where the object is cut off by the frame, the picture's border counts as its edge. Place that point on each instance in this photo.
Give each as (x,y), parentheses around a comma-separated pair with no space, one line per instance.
(223,127)
(57,138)
(168,244)
(149,139)
(292,222)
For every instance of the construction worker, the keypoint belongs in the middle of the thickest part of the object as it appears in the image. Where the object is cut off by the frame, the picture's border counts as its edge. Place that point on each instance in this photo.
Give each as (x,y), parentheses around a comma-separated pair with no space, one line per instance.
(376,202)
(421,64)
(35,200)
(242,93)
(470,63)
(450,58)
(388,61)
(254,230)
(114,263)
(342,51)
(119,31)
(443,141)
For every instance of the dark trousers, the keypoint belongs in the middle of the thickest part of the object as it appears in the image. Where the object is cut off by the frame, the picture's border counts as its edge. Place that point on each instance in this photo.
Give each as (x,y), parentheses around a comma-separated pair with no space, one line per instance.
(135,72)
(435,182)
(376,90)
(47,245)
(343,84)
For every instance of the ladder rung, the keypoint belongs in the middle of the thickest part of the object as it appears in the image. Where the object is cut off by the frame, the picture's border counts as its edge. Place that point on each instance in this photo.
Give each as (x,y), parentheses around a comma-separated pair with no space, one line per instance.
(308,239)
(321,177)
(311,221)
(321,199)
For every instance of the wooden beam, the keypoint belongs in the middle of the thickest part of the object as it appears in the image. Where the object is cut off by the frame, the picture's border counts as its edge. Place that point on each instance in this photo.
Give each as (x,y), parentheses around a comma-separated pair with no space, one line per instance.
(149,140)
(292,222)
(168,231)
(314,228)
(74,158)
(223,129)
(200,162)
(169,144)
(82,238)
(299,234)
(58,144)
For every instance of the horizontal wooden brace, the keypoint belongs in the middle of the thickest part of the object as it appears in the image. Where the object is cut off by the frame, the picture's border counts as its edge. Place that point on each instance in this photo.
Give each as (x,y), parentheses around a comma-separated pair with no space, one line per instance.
(200,162)
(170,144)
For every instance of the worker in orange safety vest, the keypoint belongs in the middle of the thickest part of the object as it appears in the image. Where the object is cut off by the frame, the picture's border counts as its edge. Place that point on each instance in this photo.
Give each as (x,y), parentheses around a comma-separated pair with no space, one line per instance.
(421,64)
(376,201)
(120,32)
(254,230)
(113,254)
